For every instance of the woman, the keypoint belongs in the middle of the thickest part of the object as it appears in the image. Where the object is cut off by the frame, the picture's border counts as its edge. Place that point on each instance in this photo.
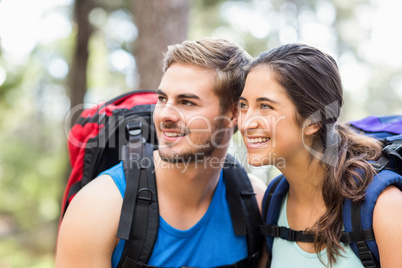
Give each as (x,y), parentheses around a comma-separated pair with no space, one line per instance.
(288,118)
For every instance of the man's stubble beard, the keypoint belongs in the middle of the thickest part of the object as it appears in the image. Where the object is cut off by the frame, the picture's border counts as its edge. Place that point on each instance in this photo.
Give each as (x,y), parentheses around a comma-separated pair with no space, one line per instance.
(205,150)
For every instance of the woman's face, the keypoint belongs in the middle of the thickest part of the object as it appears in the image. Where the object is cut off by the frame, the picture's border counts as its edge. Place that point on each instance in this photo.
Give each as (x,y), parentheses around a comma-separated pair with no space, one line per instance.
(267,121)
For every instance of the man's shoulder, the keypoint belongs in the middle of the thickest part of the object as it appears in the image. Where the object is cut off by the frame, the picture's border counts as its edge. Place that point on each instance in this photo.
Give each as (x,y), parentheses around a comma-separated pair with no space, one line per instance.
(89,224)
(95,203)
(96,199)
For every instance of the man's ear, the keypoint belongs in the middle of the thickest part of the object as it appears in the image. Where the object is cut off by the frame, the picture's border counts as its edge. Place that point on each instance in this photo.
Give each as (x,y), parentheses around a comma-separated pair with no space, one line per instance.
(312,128)
(233,115)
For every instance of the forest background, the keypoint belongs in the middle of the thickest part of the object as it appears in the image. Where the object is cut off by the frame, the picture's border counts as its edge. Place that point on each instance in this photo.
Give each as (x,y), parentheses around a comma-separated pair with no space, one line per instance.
(56,55)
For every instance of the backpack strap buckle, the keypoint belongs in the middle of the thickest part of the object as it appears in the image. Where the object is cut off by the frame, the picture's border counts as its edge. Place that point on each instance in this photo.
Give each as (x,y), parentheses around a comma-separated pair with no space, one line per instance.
(288,234)
(134,128)
(270,230)
(393,150)
(147,197)
(365,255)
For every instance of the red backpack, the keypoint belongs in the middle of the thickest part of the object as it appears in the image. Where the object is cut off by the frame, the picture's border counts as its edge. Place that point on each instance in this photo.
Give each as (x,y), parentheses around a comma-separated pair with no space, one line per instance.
(96,139)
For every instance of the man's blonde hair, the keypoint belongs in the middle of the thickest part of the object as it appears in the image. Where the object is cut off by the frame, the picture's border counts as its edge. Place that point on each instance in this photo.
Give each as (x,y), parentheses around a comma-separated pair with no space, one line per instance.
(227,59)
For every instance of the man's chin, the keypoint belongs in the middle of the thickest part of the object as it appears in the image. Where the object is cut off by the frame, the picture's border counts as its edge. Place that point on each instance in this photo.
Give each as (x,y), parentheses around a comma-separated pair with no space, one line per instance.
(172,158)
(175,160)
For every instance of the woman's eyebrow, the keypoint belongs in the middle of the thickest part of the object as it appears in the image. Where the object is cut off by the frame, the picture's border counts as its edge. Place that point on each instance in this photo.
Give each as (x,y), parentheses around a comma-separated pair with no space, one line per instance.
(266,99)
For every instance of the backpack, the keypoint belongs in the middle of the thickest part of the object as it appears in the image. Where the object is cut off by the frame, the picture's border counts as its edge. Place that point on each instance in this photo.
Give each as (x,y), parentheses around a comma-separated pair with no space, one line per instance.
(358,218)
(122,129)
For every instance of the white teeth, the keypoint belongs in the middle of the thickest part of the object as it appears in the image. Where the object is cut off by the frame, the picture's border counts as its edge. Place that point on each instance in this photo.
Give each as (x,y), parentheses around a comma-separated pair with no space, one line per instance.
(257,140)
(170,134)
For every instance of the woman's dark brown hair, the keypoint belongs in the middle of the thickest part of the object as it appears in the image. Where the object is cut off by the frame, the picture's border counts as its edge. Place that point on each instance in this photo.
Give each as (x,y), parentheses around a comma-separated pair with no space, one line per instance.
(312,81)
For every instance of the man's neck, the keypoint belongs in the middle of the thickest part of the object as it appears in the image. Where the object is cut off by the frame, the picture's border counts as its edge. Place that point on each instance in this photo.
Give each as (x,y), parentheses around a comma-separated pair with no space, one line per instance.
(185,190)
(191,173)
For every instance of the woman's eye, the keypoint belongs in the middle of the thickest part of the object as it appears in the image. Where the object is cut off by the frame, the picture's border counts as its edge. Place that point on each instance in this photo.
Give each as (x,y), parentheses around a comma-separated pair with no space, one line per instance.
(265,106)
(187,103)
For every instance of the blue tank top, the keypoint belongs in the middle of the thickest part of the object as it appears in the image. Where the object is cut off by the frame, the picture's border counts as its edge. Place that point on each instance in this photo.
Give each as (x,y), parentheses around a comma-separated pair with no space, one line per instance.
(210,242)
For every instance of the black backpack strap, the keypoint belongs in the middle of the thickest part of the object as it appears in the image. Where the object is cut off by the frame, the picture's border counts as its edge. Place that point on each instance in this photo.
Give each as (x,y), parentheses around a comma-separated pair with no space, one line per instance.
(286,233)
(392,152)
(359,235)
(246,217)
(139,218)
(150,205)
(132,174)
(301,236)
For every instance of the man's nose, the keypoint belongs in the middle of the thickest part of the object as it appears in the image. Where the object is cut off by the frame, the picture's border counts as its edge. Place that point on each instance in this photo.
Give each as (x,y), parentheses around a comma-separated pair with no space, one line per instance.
(168,112)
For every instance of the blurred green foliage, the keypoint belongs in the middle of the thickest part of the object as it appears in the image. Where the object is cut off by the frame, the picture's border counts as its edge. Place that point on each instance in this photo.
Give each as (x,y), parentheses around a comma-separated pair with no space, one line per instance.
(34,105)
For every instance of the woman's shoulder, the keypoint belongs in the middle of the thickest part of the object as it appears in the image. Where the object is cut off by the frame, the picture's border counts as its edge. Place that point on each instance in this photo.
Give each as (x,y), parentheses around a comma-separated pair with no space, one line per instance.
(388,201)
(387,225)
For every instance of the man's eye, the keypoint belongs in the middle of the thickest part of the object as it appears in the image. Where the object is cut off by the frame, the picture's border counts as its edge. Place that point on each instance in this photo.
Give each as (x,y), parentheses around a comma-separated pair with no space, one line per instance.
(242,105)
(162,99)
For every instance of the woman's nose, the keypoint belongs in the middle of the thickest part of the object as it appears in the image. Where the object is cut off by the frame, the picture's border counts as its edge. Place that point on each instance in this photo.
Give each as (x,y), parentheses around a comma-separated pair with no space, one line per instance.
(249,121)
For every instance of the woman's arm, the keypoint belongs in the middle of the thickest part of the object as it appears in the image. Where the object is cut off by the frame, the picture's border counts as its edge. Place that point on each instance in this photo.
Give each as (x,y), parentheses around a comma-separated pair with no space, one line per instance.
(387,225)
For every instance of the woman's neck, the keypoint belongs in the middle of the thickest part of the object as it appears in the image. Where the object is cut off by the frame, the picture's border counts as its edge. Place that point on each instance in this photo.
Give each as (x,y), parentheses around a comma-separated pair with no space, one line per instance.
(305,179)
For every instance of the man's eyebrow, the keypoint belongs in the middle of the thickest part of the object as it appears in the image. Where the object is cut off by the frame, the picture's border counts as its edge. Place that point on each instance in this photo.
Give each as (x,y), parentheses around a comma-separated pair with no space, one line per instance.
(180,96)
(160,92)
(267,99)
(188,96)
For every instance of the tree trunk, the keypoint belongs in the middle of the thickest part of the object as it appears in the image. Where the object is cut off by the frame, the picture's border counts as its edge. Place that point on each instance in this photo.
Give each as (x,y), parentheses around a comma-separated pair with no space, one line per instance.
(78,74)
(160,23)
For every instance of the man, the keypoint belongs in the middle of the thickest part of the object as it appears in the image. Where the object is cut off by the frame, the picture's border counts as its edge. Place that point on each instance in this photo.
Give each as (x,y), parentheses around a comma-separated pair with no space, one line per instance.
(195,117)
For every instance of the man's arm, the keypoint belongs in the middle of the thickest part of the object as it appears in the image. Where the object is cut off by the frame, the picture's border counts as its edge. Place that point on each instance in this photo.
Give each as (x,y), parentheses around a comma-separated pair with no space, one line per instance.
(87,235)
(259,188)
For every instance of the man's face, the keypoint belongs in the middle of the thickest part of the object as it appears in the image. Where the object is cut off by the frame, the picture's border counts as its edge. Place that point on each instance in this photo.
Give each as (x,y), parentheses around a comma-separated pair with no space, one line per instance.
(187,116)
